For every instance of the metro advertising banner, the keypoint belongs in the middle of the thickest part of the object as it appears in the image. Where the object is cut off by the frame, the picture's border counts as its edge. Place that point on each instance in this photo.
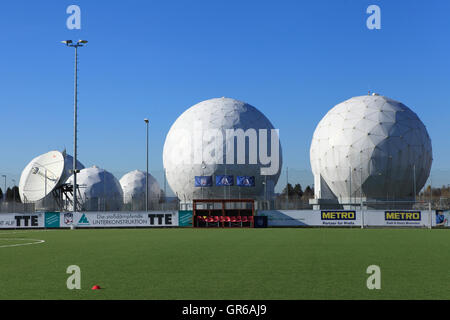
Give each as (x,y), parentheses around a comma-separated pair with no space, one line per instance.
(337,218)
(397,218)
(119,219)
(348,218)
(21,220)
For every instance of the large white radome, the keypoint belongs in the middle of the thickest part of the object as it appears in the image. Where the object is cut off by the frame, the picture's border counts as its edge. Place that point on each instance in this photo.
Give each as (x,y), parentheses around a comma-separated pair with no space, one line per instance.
(182,144)
(380,141)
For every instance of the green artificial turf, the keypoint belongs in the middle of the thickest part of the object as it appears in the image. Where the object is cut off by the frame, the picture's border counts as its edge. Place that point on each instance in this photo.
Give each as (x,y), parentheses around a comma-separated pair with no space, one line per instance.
(322,263)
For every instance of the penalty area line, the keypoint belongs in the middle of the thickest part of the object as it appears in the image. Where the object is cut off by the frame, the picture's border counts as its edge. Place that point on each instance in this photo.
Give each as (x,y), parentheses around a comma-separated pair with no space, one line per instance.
(36,241)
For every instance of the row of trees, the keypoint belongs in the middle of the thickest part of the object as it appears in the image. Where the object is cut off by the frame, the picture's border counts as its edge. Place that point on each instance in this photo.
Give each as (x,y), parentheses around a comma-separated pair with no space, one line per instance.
(12,194)
(296,193)
(443,192)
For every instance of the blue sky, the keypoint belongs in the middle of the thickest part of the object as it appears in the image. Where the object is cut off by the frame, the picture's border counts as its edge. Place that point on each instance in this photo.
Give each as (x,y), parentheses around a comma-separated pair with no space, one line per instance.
(293,60)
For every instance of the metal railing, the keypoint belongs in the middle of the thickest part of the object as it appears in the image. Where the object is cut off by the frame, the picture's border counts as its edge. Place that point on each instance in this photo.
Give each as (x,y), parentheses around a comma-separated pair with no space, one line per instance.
(276,203)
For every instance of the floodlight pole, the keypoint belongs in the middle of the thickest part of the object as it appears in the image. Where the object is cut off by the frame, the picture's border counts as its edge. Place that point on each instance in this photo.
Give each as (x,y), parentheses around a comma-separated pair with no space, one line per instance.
(165,193)
(79,43)
(414,178)
(146,176)
(45,187)
(287,188)
(75,118)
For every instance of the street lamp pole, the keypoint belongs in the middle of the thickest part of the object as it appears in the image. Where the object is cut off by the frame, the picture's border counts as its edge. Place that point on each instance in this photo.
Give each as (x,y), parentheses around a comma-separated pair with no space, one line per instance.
(287,188)
(265,192)
(203,173)
(79,43)
(146,176)
(414,178)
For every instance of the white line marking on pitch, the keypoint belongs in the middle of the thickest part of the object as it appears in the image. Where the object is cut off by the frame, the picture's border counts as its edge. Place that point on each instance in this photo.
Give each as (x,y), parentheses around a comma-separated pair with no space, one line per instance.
(26,231)
(37,241)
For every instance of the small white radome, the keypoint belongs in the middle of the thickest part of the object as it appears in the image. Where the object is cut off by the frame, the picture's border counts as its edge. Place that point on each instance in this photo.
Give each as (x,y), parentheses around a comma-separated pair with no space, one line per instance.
(99,189)
(133,185)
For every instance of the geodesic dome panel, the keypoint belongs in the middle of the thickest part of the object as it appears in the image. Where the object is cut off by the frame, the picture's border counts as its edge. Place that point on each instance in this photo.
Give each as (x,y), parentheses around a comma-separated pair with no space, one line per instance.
(371,146)
(133,186)
(193,148)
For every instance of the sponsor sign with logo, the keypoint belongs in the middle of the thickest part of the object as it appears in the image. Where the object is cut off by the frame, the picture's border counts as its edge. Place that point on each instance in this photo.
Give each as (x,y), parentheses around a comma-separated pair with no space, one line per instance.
(245,181)
(67,219)
(332,218)
(402,217)
(52,219)
(21,220)
(185,218)
(224,180)
(442,218)
(338,218)
(120,219)
(203,181)
(397,218)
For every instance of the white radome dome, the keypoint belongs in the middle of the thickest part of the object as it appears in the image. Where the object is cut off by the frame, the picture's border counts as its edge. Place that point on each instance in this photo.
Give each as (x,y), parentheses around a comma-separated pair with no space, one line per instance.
(183,144)
(133,186)
(380,141)
(99,189)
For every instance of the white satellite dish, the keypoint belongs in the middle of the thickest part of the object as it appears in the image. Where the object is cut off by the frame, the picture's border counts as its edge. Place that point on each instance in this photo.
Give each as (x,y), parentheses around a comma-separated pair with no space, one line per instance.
(41,176)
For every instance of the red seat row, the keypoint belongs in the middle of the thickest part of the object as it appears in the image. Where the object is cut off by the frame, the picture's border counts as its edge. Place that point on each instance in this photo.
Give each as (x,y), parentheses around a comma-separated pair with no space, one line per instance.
(225,219)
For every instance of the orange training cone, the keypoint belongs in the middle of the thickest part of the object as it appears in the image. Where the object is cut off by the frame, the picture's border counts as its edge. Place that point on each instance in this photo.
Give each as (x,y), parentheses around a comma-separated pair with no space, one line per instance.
(96,287)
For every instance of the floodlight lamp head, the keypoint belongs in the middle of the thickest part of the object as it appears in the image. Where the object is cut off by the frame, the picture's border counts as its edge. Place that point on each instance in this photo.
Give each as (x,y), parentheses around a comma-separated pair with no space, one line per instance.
(82,41)
(67,42)
(146,120)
